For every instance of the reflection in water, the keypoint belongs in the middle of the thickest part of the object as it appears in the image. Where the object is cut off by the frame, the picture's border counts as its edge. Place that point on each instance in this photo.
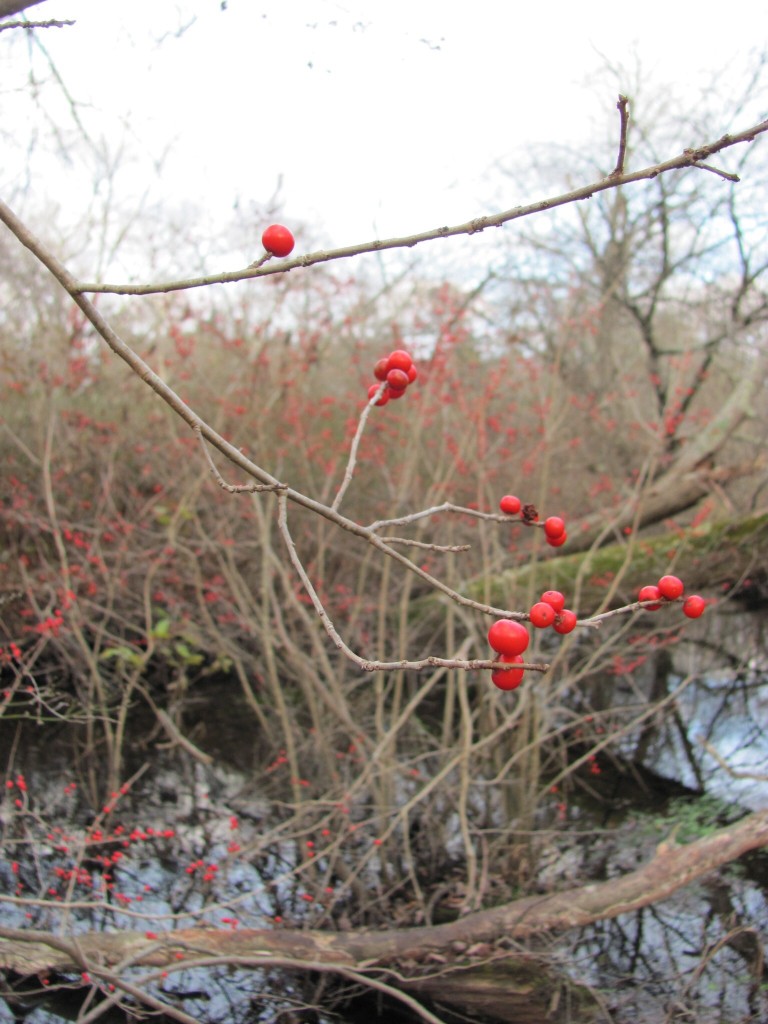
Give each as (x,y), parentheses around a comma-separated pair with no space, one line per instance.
(191,845)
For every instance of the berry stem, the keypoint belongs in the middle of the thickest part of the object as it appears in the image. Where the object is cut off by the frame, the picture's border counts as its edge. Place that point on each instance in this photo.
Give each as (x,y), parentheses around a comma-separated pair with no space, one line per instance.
(349,469)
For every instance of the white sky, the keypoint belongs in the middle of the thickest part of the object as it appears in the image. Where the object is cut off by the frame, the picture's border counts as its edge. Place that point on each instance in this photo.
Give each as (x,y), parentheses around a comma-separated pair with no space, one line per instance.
(378,118)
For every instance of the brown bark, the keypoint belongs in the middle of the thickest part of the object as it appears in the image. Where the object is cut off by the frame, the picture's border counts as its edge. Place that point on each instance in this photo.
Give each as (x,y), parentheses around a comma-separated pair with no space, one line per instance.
(11,7)
(671,868)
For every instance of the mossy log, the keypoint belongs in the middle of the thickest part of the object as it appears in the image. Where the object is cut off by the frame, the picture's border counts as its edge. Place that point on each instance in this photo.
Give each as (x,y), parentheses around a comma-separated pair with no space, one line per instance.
(725,556)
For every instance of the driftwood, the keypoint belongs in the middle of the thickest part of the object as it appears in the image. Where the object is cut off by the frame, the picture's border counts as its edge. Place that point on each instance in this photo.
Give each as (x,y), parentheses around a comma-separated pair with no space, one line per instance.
(458,961)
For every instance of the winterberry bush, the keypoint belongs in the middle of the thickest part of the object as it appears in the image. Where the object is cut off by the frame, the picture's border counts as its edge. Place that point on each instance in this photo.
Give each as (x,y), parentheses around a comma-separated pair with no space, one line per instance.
(338,564)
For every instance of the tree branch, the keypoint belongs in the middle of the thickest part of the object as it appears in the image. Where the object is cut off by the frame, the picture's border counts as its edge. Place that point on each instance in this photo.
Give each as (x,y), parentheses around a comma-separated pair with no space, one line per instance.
(688,158)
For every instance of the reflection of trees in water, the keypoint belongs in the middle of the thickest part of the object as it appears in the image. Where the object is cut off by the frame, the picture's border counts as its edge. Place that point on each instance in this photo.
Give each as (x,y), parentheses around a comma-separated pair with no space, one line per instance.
(696,952)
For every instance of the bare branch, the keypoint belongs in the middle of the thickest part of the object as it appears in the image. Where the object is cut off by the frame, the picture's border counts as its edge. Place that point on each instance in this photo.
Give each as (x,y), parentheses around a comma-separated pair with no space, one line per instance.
(688,158)
(35,24)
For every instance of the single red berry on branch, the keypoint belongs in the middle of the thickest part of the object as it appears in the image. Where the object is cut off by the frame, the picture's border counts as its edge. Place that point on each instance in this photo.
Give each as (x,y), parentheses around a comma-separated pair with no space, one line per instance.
(542,615)
(510,504)
(278,240)
(506,636)
(694,606)
(508,678)
(565,621)
(396,392)
(670,587)
(650,593)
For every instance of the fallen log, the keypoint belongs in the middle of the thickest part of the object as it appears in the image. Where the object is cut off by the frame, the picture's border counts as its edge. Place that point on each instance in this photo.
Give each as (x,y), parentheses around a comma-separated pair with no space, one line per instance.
(407,957)
(710,558)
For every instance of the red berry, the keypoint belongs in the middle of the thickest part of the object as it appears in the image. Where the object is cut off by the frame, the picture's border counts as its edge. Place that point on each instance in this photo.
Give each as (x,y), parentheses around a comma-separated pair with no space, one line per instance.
(508,678)
(670,587)
(412,374)
(397,379)
(694,606)
(542,614)
(510,504)
(400,360)
(565,621)
(508,637)
(650,593)
(557,542)
(555,598)
(396,392)
(381,369)
(372,391)
(278,240)
(554,527)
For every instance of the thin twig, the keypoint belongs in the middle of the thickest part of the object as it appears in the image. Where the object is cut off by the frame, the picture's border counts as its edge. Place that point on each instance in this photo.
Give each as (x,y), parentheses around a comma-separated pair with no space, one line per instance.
(349,470)
(34,24)
(410,542)
(733,772)
(232,488)
(719,172)
(447,506)
(623,108)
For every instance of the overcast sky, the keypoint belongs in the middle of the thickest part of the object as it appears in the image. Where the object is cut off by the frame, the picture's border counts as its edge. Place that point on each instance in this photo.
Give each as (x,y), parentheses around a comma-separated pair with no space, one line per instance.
(376,118)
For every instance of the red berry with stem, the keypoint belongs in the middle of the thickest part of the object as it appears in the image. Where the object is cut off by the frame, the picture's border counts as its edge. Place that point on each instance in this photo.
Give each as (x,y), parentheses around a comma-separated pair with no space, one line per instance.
(554,527)
(400,360)
(384,398)
(542,615)
(555,598)
(508,637)
(565,621)
(650,593)
(397,379)
(694,606)
(508,678)
(670,587)
(510,504)
(278,240)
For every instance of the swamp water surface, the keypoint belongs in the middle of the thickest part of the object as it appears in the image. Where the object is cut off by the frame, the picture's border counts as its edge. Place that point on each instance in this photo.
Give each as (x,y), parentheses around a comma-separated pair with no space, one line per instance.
(183,847)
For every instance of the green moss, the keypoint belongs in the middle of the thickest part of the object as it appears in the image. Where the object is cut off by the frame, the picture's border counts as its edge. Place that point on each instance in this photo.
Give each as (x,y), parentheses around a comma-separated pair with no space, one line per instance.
(704,556)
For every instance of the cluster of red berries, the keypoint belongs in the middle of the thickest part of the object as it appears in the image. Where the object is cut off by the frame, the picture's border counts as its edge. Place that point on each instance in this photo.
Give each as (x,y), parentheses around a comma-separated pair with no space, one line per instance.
(550,610)
(670,588)
(554,526)
(510,638)
(278,240)
(397,372)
